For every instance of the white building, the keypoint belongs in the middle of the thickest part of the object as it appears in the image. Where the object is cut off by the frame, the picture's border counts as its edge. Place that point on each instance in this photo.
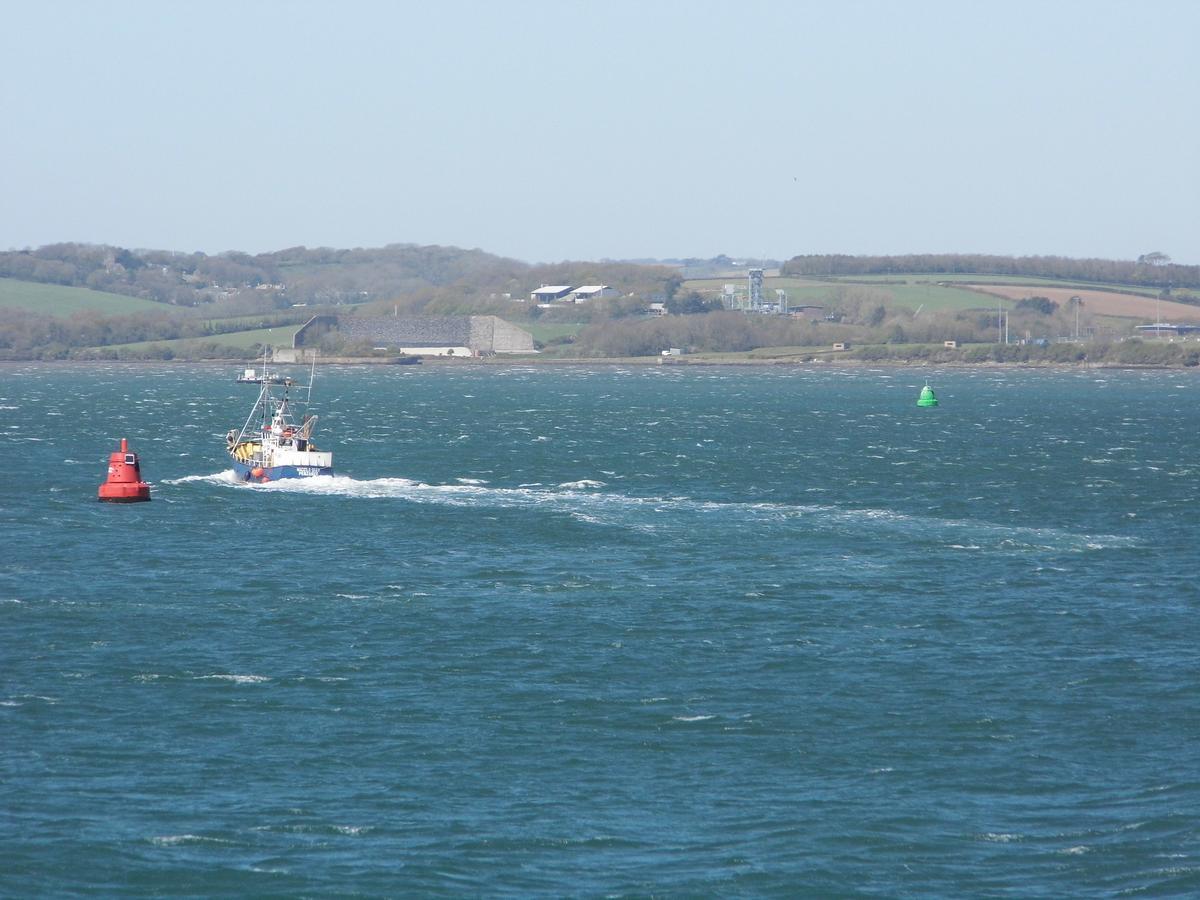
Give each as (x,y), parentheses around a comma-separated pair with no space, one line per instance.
(548,293)
(593,292)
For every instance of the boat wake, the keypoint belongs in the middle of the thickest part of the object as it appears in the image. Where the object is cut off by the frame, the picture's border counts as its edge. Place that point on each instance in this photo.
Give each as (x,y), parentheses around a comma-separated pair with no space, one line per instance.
(226,477)
(586,501)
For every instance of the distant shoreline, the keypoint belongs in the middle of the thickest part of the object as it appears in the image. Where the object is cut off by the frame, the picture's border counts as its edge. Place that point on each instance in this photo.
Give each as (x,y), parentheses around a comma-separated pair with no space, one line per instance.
(238,364)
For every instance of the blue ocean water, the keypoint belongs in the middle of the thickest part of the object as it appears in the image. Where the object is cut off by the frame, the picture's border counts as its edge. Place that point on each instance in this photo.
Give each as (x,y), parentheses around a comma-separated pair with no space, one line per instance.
(605,631)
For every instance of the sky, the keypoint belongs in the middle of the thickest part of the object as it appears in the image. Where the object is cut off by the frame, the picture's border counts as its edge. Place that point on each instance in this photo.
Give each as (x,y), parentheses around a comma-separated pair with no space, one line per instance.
(549,130)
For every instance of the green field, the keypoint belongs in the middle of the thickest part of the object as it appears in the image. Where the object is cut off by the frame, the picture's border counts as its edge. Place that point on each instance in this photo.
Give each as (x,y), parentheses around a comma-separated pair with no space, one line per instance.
(61,301)
(1018,280)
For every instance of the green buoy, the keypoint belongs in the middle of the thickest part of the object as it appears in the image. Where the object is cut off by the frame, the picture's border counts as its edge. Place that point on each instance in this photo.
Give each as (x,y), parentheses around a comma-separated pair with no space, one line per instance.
(927,398)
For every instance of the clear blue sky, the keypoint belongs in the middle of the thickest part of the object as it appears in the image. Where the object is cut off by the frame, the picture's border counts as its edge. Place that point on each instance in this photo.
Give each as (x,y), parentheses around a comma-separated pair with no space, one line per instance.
(568,130)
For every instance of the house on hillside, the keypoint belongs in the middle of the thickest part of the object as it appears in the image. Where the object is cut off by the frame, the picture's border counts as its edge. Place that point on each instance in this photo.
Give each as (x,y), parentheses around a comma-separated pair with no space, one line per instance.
(593,292)
(548,293)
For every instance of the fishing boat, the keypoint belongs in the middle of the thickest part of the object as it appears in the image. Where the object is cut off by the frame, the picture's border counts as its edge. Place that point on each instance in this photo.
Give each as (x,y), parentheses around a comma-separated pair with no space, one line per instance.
(272,445)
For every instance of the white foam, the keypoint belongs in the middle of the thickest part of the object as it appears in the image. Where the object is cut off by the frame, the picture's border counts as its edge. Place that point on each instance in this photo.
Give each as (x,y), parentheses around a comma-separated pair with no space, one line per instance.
(236,679)
(587,501)
(692,718)
(171,840)
(226,477)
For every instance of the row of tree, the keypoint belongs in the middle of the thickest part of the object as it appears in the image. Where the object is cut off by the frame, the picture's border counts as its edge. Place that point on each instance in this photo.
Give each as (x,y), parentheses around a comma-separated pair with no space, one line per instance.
(1153,270)
(29,335)
(1132,352)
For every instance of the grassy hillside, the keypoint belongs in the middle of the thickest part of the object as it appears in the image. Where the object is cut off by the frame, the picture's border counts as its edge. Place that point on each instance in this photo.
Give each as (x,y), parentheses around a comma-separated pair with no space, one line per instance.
(1016,280)
(243,340)
(61,301)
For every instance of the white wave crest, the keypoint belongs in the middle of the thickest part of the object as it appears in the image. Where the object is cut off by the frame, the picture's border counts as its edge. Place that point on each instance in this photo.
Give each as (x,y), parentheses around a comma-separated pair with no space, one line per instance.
(226,477)
(236,679)
(171,840)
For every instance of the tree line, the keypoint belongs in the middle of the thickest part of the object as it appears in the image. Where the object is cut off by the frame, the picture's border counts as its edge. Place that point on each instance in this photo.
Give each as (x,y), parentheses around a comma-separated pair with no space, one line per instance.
(1152,270)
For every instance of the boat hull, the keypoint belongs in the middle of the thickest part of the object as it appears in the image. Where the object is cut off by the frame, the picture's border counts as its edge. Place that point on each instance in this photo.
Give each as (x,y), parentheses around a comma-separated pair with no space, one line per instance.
(246,472)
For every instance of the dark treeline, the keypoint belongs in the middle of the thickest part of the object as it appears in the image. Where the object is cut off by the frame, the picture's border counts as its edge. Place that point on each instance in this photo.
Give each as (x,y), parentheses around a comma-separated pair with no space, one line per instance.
(897,338)
(1133,352)
(707,332)
(1152,270)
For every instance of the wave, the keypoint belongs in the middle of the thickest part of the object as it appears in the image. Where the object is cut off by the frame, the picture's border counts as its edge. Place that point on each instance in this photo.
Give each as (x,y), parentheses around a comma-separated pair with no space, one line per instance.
(584,483)
(236,679)
(226,477)
(172,840)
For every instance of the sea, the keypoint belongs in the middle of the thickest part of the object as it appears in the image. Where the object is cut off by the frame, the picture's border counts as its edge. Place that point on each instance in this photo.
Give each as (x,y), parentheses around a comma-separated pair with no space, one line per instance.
(605,631)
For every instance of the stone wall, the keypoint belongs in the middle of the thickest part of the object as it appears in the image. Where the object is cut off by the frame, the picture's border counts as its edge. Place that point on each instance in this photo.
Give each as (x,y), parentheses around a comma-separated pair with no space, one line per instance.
(401,331)
(500,336)
(482,334)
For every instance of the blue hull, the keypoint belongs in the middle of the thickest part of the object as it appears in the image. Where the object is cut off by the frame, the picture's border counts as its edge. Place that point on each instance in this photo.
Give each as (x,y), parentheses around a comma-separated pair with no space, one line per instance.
(277,473)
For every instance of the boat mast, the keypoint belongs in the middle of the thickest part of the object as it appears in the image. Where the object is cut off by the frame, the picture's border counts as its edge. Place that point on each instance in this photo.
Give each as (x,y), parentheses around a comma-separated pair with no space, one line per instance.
(259,409)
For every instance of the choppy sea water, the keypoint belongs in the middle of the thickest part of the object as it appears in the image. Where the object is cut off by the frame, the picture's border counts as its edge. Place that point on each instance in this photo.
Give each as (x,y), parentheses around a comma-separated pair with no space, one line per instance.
(605,631)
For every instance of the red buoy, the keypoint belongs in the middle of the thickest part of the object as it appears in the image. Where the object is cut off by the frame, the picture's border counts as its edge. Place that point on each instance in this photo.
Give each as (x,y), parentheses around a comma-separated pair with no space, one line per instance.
(124,483)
